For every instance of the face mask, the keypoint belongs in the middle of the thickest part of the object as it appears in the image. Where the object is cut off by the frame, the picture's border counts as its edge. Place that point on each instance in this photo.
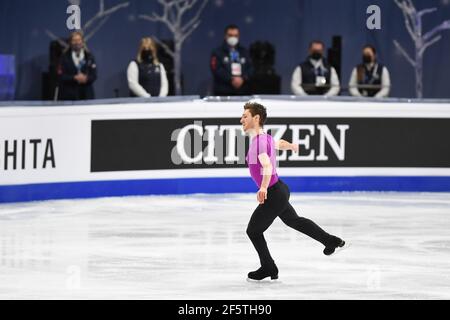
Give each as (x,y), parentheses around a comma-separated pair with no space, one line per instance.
(232,41)
(77,47)
(366,59)
(147,56)
(316,55)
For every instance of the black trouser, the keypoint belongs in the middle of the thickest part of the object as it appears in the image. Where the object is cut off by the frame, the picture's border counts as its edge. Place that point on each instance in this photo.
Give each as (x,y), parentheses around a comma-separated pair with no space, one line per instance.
(277,205)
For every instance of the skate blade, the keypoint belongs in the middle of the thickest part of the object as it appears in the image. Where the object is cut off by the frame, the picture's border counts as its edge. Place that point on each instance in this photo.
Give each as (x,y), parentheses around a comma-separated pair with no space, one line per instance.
(265,280)
(340,249)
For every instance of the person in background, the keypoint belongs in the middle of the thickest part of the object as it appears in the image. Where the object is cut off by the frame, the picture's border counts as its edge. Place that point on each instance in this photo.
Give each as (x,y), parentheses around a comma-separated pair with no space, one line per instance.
(315,76)
(230,65)
(146,75)
(77,70)
(371,74)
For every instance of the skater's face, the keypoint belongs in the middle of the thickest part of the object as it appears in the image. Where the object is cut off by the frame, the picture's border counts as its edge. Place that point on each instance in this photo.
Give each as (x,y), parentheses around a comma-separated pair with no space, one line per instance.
(248,121)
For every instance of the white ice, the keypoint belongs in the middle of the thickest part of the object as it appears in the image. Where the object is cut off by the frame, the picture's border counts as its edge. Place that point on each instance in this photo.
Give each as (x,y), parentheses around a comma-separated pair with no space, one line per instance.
(195,247)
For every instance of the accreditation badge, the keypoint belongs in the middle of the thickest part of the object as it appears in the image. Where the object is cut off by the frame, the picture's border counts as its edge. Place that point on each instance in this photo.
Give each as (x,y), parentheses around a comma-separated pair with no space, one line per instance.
(236,69)
(321,81)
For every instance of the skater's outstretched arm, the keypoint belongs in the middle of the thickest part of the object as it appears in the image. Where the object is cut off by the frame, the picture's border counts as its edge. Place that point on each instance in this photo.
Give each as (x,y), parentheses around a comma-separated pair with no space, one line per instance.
(285,145)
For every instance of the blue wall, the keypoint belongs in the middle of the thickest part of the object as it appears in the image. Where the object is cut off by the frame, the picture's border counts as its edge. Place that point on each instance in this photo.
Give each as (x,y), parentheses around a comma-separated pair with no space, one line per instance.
(289,24)
(94,189)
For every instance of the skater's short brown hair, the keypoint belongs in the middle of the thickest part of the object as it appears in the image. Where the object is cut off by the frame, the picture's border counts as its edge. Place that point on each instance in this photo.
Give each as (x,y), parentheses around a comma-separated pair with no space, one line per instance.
(257,109)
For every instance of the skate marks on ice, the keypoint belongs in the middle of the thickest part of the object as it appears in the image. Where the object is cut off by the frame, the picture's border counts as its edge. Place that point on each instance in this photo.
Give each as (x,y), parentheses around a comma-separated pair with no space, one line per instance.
(195,247)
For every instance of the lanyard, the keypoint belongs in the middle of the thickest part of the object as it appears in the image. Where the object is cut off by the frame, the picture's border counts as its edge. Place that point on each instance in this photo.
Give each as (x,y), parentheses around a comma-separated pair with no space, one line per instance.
(81,64)
(319,72)
(371,76)
(234,55)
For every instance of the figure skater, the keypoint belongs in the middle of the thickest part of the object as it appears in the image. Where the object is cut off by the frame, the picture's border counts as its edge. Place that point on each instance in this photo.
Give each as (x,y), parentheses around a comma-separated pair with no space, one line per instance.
(273,194)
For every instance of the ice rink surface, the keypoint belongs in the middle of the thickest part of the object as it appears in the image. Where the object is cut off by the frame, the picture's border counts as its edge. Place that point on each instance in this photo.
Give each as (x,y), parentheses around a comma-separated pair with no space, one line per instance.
(195,247)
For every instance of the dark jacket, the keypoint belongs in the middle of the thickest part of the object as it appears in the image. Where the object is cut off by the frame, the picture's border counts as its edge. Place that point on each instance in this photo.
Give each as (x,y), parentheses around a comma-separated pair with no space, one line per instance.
(70,89)
(369,77)
(149,78)
(221,68)
(309,78)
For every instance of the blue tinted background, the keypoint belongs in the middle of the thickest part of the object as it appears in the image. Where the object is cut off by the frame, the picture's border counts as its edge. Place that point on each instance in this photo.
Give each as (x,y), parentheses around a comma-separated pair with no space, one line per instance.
(288,24)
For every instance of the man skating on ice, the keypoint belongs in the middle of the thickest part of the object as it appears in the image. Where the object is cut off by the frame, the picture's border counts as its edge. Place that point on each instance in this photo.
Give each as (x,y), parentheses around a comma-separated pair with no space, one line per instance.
(273,194)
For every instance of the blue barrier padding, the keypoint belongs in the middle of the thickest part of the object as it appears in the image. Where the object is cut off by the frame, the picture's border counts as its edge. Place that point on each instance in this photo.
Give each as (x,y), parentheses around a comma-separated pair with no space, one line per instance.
(93,189)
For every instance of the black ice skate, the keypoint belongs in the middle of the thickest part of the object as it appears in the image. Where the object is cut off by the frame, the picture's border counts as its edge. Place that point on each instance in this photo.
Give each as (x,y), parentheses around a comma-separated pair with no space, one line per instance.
(335,243)
(263,273)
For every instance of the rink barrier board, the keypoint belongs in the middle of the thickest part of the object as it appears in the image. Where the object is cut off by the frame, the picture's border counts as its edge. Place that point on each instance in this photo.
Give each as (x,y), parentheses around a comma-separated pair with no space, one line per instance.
(94,189)
(119,145)
(411,155)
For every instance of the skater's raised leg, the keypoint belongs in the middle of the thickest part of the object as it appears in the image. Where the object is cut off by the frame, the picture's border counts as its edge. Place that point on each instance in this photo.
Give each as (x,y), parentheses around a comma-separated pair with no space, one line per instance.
(307,226)
(304,225)
(311,229)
